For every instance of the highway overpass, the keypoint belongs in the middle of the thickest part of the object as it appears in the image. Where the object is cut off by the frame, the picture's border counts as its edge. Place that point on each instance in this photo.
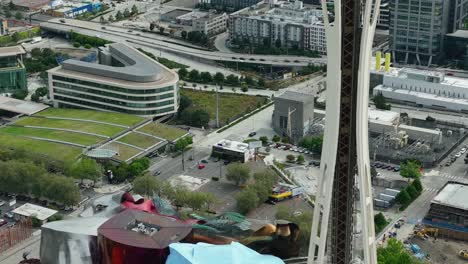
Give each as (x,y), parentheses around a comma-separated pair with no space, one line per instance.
(138,38)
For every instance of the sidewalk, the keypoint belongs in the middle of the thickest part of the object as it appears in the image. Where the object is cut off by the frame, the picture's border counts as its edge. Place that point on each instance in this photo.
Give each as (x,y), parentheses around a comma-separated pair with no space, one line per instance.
(15,254)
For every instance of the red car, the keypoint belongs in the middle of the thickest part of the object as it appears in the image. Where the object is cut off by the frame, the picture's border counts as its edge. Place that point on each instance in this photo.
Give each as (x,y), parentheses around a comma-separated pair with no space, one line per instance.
(201,166)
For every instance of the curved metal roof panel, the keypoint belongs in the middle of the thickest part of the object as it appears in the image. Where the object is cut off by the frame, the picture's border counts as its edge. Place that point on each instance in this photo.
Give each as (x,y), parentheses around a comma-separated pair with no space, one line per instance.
(139,67)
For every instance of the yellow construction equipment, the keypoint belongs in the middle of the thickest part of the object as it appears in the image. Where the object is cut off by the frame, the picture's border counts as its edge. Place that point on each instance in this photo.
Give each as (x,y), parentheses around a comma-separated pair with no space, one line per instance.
(463,254)
(426,232)
(378,60)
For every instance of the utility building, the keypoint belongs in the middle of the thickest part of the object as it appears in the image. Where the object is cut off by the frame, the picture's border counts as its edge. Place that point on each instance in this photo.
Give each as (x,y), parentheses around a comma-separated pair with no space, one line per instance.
(12,70)
(293,115)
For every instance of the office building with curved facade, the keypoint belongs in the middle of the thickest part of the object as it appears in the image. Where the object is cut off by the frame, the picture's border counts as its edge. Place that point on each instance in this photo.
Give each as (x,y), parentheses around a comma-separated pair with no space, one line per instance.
(125,80)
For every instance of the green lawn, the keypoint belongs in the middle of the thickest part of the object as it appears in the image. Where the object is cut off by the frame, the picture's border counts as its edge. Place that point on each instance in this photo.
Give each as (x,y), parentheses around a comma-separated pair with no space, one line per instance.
(139,140)
(230,105)
(163,131)
(125,152)
(53,134)
(105,130)
(109,117)
(54,150)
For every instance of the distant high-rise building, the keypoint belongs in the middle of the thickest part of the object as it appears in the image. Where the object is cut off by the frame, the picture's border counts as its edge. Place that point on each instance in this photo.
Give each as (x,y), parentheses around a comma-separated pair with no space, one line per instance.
(230,5)
(417,30)
(383,21)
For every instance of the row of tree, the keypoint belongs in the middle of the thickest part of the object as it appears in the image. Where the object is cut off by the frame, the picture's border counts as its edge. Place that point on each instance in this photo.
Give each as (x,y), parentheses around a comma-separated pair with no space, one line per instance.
(312,143)
(90,40)
(218,78)
(120,16)
(255,193)
(179,196)
(29,179)
(409,194)
(125,172)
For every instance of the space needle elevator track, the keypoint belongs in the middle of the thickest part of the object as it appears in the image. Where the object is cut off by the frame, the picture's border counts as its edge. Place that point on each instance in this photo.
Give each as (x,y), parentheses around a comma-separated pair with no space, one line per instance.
(349,46)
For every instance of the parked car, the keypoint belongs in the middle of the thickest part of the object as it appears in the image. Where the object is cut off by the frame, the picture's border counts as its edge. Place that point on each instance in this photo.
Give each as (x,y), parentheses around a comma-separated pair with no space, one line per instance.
(252,134)
(226,162)
(3,222)
(201,166)
(397,168)
(448,163)
(157,173)
(378,165)
(463,150)
(2,203)
(9,215)
(203,161)
(390,168)
(458,155)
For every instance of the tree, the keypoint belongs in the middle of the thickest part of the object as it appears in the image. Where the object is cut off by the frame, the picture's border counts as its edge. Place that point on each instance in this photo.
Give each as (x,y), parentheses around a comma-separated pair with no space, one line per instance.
(134,10)
(86,169)
(264,140)
(312,143)
(238,173)
(394,252)
(261,83)
(232,79)
(182,73)
(11,6)
(290,158)
(219,78)
(403,198)
(197,117)
(15,37)
(417,185)
(20,94)
(8,13)
(126,13)
(276,138)
(244,87)
(145,185)
(161,30)
(183,34)
(185,102)
(206,77)
(152,26)
(380,222)
(18,16)
(300,159)
(182,143)
(194,75)
(35,98)
(36,52)
(119,16)
(247,200)
(413,193)
(410,169)
(111,19)
(381,103)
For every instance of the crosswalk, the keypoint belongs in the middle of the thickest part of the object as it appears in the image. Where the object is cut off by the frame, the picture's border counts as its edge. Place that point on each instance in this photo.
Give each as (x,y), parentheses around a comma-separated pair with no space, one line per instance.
(434,190)
(455,178)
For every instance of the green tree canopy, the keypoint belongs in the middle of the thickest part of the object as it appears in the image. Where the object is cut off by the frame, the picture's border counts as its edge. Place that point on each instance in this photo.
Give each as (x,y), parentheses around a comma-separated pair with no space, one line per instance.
(381,103)
(194,75)
(119,15)
(312,143)
(394,253)
(403,198)
(206,77)
(410,169)
(247,200)
(237,172)
(300,159)
(219,78)
(182,73)
(145,185)
(18,16)
(134,10)
(87,169)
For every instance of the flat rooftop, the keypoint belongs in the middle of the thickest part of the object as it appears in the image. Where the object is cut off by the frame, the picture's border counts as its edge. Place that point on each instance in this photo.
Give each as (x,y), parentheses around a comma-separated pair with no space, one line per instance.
(233,145)
(453,195)
(296,96)
(31,4)
(11,51)
(20,106)
(28,210)
(445,79)
(386,116)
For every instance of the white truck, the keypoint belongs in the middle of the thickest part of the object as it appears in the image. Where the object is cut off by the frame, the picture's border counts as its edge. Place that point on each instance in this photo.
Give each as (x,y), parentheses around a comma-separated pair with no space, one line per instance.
(36,40)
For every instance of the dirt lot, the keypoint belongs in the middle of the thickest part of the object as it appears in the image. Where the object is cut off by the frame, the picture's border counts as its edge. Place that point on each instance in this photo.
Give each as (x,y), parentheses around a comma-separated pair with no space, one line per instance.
(441,251)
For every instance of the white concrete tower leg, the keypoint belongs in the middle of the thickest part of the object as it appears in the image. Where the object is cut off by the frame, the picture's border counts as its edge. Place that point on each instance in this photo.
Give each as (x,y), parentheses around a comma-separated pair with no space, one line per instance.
(318,238)
(363,163)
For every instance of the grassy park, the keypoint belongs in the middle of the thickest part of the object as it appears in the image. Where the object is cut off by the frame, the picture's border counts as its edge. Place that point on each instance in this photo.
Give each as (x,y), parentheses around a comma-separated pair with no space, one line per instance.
(230,105)
(76,138)
(139,140)
(54,150)
(108,117)
(101,129)
(125,152)
(163,131)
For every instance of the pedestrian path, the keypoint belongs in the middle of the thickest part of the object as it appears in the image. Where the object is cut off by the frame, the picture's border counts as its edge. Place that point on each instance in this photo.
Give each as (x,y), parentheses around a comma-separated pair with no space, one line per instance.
(431,190)
(454,178)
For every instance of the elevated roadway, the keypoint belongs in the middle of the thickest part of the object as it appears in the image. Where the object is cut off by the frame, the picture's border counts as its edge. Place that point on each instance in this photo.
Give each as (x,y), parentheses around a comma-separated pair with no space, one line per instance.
(137,38)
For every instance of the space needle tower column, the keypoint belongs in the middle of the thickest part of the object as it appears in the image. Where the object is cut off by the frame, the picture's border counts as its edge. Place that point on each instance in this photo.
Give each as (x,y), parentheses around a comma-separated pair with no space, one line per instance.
(349,32)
